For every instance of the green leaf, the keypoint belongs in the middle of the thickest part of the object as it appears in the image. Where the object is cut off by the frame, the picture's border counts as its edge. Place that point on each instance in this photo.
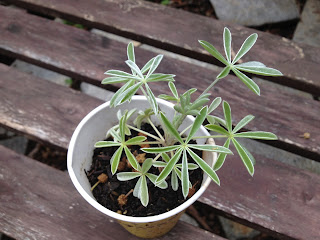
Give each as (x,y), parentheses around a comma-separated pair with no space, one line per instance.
(204,166)
(126,176)
(173,90)
(118,73)
(144,195)
(227,115)
(217,129)
(111,80)
(147,164)
(136,190)
(170,127)
(160,149)
(247,81)
(211,120)
(215,103)
(159,164)
(257,135)
(246,46)
(159,77)
(130,52)
(244,121)
(167,97)
(167,170)
(165,157)
(264,71)
(134,68)
(136,140)
(132,160)
(197,123)
(191,166)
(210,148)
(250,64)
(227,43)
(224,73)
(250,156)
(152,100)
(174,181)
(185,175)
(127,95)
(155,63)
(115,96)
(115,160)
(222,156)
(198,103)
(114,134)
(101,144)
(122,126)
(243,155)
(213,51)
(220,121)
(147,66)
(153,179)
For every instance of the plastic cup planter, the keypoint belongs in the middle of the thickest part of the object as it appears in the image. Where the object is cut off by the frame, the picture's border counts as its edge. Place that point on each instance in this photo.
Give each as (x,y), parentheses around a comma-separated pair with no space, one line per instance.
(93,128)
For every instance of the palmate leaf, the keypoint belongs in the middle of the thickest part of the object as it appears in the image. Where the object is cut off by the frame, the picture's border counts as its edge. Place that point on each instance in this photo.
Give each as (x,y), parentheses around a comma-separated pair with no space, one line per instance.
(257,135)
(114,134)
(224,73)
(197,123)
(115,98)
(185,175)
(215,103)
(118,73)
(222,156)
(217,129)
(227,43)
(244,121)
(174,180)
(132,160)
(159,164)
(204,166)
(136,190)
(159,77)
(115,160)
(122,126)
(126,176)
(210,148)
(165,157)
(130,52)
(160,149)
(144,195)
(247,81)
(173,90)
(244,156)
(191,166)
(147,164)
(112,80)
(227,115)
(101,144)
(153,179)
(152,100)
(213,51)
(170,127)
(246,46)
(127,94)
(167,97)
(154,64)
(134,68)
(136,140)
(264,71)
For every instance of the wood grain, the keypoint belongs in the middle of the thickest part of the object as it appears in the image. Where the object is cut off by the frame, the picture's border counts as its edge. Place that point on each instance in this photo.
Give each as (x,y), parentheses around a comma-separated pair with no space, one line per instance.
(40,202)
(87,56)
(179,31)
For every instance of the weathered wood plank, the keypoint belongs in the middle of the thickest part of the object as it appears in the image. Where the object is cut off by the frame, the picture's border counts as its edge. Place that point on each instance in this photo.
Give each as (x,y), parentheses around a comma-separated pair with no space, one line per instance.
(40,202)
(179,31)
(276,195)
(86,56)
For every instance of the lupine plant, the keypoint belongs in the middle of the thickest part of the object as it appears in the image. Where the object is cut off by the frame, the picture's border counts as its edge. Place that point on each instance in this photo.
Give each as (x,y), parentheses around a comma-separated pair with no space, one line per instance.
(172,146)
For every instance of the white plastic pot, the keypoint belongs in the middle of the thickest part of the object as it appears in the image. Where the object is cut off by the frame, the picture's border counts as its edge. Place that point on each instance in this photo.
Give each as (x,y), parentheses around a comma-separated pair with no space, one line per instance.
(93,128)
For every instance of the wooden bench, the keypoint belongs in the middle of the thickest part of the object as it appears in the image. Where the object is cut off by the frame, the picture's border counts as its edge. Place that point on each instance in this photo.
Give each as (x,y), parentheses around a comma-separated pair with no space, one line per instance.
(39,202)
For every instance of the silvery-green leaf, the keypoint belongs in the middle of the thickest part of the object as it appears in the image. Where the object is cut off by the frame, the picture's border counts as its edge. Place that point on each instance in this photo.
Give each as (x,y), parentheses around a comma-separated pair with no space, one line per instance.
(190,91)
(170,127)
(191,166)
(160,77)
(185,175)
(130,52)
(243,155)
(210,148)
(199,103)
(138,121)
(165,157)
(264,71)
(178,109)
(174,181)
(122,125)
(115,96)
(101,144)
(167,97)
(211,120)
(153,179)
(135,140)
(179,174)
(126,176)
(246,46)
(257,135)
(155,63)
(250,156)
(221,157)
(127,94)
(114,134)
(132,160)
(197,123)
(147,164)
(134,68)
(147,66)
(173,90)
(227,115)
(193,112)
(160,149)
(144,195)
(112,80)
(213,51)
(152,99)
(220,121)
(159,164)
(119,114)
(250,64)
(136,190)
(167,170)
(115,160)
(217,129)
(204,166)
(244,121)
(215,103)
(224,73)
(227,43)
(118,73)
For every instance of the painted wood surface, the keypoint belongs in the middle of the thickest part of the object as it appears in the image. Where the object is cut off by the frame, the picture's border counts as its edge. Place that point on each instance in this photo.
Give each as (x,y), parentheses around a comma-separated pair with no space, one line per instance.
(87,56)
(179,31)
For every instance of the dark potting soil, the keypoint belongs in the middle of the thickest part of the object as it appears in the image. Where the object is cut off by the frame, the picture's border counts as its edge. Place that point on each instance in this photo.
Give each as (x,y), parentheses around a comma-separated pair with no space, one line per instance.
(160,200)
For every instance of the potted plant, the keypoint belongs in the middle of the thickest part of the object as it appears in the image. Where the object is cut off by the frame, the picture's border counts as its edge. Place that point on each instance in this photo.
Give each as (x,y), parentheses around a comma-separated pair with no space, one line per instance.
(112,148)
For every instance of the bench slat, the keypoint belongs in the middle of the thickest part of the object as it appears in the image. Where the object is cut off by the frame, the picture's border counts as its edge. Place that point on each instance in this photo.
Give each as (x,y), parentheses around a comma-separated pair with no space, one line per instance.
(179,31)
(40,202)
(262,202)
(86,56)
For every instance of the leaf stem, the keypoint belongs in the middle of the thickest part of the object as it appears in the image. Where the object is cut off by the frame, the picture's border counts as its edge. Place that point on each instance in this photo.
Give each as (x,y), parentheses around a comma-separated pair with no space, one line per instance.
(186,129)
(155,129)
(212,136)
(146,133)
(210,86)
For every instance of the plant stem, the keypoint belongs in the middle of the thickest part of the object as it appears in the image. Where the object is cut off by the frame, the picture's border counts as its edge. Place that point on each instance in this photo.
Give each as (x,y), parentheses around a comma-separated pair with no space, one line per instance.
(212,136)
(155,129)
(156,158)
(146,133)
(210,86)
(186,129)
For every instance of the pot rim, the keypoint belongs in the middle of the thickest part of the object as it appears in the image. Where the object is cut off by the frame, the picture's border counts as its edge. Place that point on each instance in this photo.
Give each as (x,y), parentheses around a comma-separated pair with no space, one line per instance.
(103,209)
